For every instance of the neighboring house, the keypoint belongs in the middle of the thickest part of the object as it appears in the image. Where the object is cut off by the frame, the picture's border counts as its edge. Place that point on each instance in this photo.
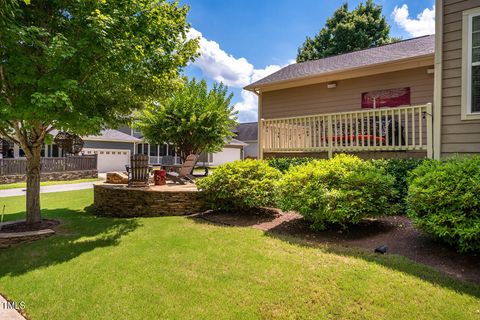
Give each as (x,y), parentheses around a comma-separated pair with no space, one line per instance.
(374,102)
(457,78)
(112,147)
(233,150)
(248,133)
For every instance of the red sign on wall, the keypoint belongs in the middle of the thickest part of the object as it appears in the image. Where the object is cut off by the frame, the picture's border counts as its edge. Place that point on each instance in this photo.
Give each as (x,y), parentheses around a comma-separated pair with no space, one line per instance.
(386,98)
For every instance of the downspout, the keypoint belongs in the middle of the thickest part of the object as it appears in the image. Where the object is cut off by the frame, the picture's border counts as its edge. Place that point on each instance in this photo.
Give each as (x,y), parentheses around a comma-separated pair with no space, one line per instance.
(437,91)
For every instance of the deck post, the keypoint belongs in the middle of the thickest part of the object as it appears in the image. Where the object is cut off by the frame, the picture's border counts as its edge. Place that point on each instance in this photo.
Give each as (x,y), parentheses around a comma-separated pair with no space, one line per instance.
(260,139)
(330,136)
(429,119)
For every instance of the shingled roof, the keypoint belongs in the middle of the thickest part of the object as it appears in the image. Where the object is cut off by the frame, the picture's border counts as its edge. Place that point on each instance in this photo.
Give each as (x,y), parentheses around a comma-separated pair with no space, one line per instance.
(396,51)
(107,135)
(247,131)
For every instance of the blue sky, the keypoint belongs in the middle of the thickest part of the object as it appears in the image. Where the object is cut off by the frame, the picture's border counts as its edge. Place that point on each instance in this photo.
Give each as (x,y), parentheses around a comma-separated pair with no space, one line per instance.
(244,40)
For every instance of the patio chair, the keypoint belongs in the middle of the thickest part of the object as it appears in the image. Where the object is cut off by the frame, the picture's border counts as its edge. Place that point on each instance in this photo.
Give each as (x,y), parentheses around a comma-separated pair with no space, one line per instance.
(184,175)
(138,171)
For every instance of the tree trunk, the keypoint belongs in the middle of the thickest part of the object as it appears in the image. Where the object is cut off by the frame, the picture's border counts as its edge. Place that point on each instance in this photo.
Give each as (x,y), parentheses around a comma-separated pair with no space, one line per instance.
(33,185)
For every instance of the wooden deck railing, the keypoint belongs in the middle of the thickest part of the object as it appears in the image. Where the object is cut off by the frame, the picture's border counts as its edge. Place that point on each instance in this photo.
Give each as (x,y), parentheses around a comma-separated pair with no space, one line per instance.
(395,129)
(70,163)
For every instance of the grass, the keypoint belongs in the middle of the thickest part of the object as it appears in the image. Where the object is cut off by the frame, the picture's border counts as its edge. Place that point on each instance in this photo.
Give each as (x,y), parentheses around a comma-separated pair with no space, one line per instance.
(45,183)
(181,268)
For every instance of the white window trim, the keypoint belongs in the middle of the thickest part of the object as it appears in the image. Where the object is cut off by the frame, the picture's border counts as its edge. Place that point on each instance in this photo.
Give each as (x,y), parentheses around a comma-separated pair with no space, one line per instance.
(467,33)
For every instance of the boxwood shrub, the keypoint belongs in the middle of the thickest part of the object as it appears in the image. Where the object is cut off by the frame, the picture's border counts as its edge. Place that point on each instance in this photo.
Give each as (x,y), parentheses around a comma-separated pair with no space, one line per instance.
(342,191)
(283,164)
(400,169)
(444,201)
(241,185)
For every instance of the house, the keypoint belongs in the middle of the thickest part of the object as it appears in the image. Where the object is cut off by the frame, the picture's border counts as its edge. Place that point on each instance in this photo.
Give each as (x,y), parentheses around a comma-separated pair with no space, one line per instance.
(112,147)
(457,78)
(248,133)
(414,98)
(374,103)
(233,150)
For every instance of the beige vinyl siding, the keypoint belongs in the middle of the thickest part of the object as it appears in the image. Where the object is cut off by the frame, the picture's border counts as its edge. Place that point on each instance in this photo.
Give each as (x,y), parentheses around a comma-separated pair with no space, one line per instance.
(457,135)
(317,98)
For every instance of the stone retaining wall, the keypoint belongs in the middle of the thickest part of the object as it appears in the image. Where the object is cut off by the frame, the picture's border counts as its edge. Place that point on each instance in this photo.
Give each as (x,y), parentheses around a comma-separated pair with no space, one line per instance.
(52,176)
(122,201)
(9,239)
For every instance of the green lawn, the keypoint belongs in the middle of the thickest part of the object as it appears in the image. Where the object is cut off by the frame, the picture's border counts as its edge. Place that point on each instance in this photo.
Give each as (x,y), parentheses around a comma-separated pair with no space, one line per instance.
(45,183)
(179,268)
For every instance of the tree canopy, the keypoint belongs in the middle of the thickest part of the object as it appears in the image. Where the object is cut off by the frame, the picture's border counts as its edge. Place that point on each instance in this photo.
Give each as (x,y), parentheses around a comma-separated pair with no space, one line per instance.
(348,31)
(194,119)
(81,66)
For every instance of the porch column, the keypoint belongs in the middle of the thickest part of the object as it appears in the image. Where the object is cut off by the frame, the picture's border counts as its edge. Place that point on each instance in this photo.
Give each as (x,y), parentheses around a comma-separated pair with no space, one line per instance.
(429,119)
(260,126)
(16,151)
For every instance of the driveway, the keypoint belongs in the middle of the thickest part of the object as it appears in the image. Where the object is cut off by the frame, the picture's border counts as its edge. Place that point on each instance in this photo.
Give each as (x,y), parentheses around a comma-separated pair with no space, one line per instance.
(48,189)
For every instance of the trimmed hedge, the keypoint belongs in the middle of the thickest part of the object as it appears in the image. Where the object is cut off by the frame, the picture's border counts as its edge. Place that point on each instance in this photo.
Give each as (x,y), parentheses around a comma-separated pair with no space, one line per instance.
(241,185)
(444,201)
(283,164)
(342,191)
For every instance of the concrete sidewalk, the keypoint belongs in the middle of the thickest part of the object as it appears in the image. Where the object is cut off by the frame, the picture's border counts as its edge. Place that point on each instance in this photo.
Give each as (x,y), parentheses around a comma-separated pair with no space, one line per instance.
(48,189)
(7,312)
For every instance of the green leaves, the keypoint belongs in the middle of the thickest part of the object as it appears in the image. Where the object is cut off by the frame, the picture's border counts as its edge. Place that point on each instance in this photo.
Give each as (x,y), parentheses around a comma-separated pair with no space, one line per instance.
(241,185)
(283,164)
(342,191)
(444,201)
(347,31)
(106,58)
(194,118)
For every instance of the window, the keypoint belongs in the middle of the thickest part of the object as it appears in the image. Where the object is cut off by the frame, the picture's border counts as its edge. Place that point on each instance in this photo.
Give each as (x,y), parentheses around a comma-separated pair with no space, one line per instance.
(153,150)
(471,65)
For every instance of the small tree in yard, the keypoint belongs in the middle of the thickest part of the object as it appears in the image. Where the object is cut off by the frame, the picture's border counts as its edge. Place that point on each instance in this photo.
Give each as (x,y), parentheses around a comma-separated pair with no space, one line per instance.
(194,119)
(81,66)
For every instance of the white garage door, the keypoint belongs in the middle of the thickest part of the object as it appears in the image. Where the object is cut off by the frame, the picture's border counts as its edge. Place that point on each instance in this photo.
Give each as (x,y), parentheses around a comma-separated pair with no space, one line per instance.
(110,159)
(226,155)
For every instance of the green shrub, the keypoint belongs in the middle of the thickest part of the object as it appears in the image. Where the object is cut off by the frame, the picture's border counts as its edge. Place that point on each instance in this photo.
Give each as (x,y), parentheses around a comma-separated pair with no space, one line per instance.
(241,185)
(283,164)
(444,201)
(400,170)
(342,190)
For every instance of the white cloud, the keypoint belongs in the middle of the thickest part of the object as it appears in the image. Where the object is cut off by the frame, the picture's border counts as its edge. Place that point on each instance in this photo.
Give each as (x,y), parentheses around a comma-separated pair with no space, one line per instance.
(221,66)
(248,107)
(424,23)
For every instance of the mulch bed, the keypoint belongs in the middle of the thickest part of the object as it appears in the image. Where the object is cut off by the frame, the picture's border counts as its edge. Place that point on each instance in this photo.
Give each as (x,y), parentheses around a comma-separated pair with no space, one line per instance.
(396,232)
(22,226)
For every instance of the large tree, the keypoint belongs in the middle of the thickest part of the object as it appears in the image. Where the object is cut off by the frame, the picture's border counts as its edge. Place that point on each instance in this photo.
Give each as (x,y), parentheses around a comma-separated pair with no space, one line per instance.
(84,65)
(347,31)
(194,119)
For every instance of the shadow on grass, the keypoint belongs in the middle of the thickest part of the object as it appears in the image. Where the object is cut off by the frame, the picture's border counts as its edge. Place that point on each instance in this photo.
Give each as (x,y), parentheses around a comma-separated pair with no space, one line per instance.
(79,232)
(394,262)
